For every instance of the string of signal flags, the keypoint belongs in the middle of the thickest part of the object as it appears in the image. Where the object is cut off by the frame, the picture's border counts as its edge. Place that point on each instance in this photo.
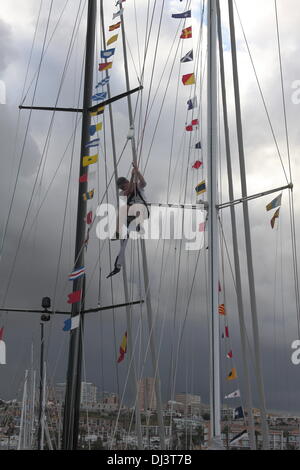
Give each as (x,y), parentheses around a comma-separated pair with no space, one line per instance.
(89,160)
(187,80)
(88,175)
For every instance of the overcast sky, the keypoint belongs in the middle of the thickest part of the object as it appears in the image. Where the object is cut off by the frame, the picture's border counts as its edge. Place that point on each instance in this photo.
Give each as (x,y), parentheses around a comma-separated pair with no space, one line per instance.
(38,272)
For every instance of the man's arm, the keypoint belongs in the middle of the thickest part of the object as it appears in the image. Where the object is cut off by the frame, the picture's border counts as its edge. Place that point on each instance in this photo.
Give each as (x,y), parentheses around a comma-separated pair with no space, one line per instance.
(141,180)
(131,186)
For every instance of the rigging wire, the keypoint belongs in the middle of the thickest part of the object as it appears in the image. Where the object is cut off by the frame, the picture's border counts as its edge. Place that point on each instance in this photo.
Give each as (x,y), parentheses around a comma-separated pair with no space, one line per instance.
(41,160)
(26,134)
(262,94)
(291,193)
(45,51)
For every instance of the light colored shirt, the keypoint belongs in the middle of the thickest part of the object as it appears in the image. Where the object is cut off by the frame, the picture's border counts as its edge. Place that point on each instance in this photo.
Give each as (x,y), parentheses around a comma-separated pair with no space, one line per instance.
(137,199)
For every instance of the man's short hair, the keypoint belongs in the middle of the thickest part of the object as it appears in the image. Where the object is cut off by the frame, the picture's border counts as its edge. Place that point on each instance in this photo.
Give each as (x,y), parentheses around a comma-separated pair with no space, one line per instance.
(121,181)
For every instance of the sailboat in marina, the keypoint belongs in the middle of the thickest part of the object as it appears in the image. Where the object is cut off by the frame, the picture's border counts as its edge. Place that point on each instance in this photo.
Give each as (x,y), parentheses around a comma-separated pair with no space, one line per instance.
(135,278)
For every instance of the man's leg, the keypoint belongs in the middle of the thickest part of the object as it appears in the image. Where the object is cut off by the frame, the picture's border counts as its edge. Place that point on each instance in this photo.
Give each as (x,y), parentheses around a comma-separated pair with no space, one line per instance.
(120,260)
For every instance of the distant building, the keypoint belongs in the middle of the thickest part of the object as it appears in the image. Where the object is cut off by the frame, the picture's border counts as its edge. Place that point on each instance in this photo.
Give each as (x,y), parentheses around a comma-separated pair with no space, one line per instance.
(60,392)
(111,399)
(190,404)
(227,413)
(146,394)
(88,394)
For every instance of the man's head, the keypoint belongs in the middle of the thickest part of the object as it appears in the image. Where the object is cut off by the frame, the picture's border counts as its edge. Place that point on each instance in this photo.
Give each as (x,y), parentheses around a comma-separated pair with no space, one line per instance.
(123,183)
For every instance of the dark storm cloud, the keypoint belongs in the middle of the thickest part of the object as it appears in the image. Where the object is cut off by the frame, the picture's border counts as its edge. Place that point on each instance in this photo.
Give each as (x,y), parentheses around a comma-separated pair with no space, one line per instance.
(7,50)
(37,264)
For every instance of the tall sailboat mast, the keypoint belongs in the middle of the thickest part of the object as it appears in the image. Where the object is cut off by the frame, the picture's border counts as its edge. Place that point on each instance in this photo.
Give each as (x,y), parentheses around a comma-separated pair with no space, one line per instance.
(154,357)
(238,279)
(213,239)
(130,351)
(257,351)
(73,387)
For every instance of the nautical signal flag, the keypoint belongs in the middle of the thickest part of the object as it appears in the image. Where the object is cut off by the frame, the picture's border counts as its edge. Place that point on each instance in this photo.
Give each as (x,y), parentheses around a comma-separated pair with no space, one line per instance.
(198,146)
(275,203)
(89,218)
(77,274)
(276,216)
(2,349)
(226,334)
(201,188)
(123,349)
(189,57)
(92,143)
(72,323)
(90,160)
(96,128)
(83,178)
(88,196)
(197,165)
(230,355)
(187,33)
(99,96)
(103,82)
(189,79)
(186,14)
(75,297)
(107,54)
(238,437)
(232,375)
(235,394)
(113,27)
(192,103)
(238,413)
(98,111)
(112,40)
(222,310)
(106,66)
(193,124)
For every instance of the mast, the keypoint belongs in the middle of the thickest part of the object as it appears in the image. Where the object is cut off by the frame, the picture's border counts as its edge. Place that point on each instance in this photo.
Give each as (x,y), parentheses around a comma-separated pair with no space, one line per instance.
(257,352)
(213,239)
(131,357)
(43,415)
(21,443)
(41,387)
(248,393)
(145,264)
(73,387)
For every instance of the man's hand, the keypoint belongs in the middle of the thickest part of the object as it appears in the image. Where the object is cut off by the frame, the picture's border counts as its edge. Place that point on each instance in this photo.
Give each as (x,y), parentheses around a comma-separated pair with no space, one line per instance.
(135,168)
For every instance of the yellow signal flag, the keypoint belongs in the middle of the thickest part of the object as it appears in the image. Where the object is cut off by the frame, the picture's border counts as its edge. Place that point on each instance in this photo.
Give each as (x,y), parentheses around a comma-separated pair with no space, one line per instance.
(90,160)
(98,127)
(98,111)
(276,216)
(222,310)
(112,39)
(123,349)
(189,79)
(232,374)
(115,26)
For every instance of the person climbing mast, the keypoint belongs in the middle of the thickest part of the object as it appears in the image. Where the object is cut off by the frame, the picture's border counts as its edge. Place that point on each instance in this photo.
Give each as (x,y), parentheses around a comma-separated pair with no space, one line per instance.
(133,191)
